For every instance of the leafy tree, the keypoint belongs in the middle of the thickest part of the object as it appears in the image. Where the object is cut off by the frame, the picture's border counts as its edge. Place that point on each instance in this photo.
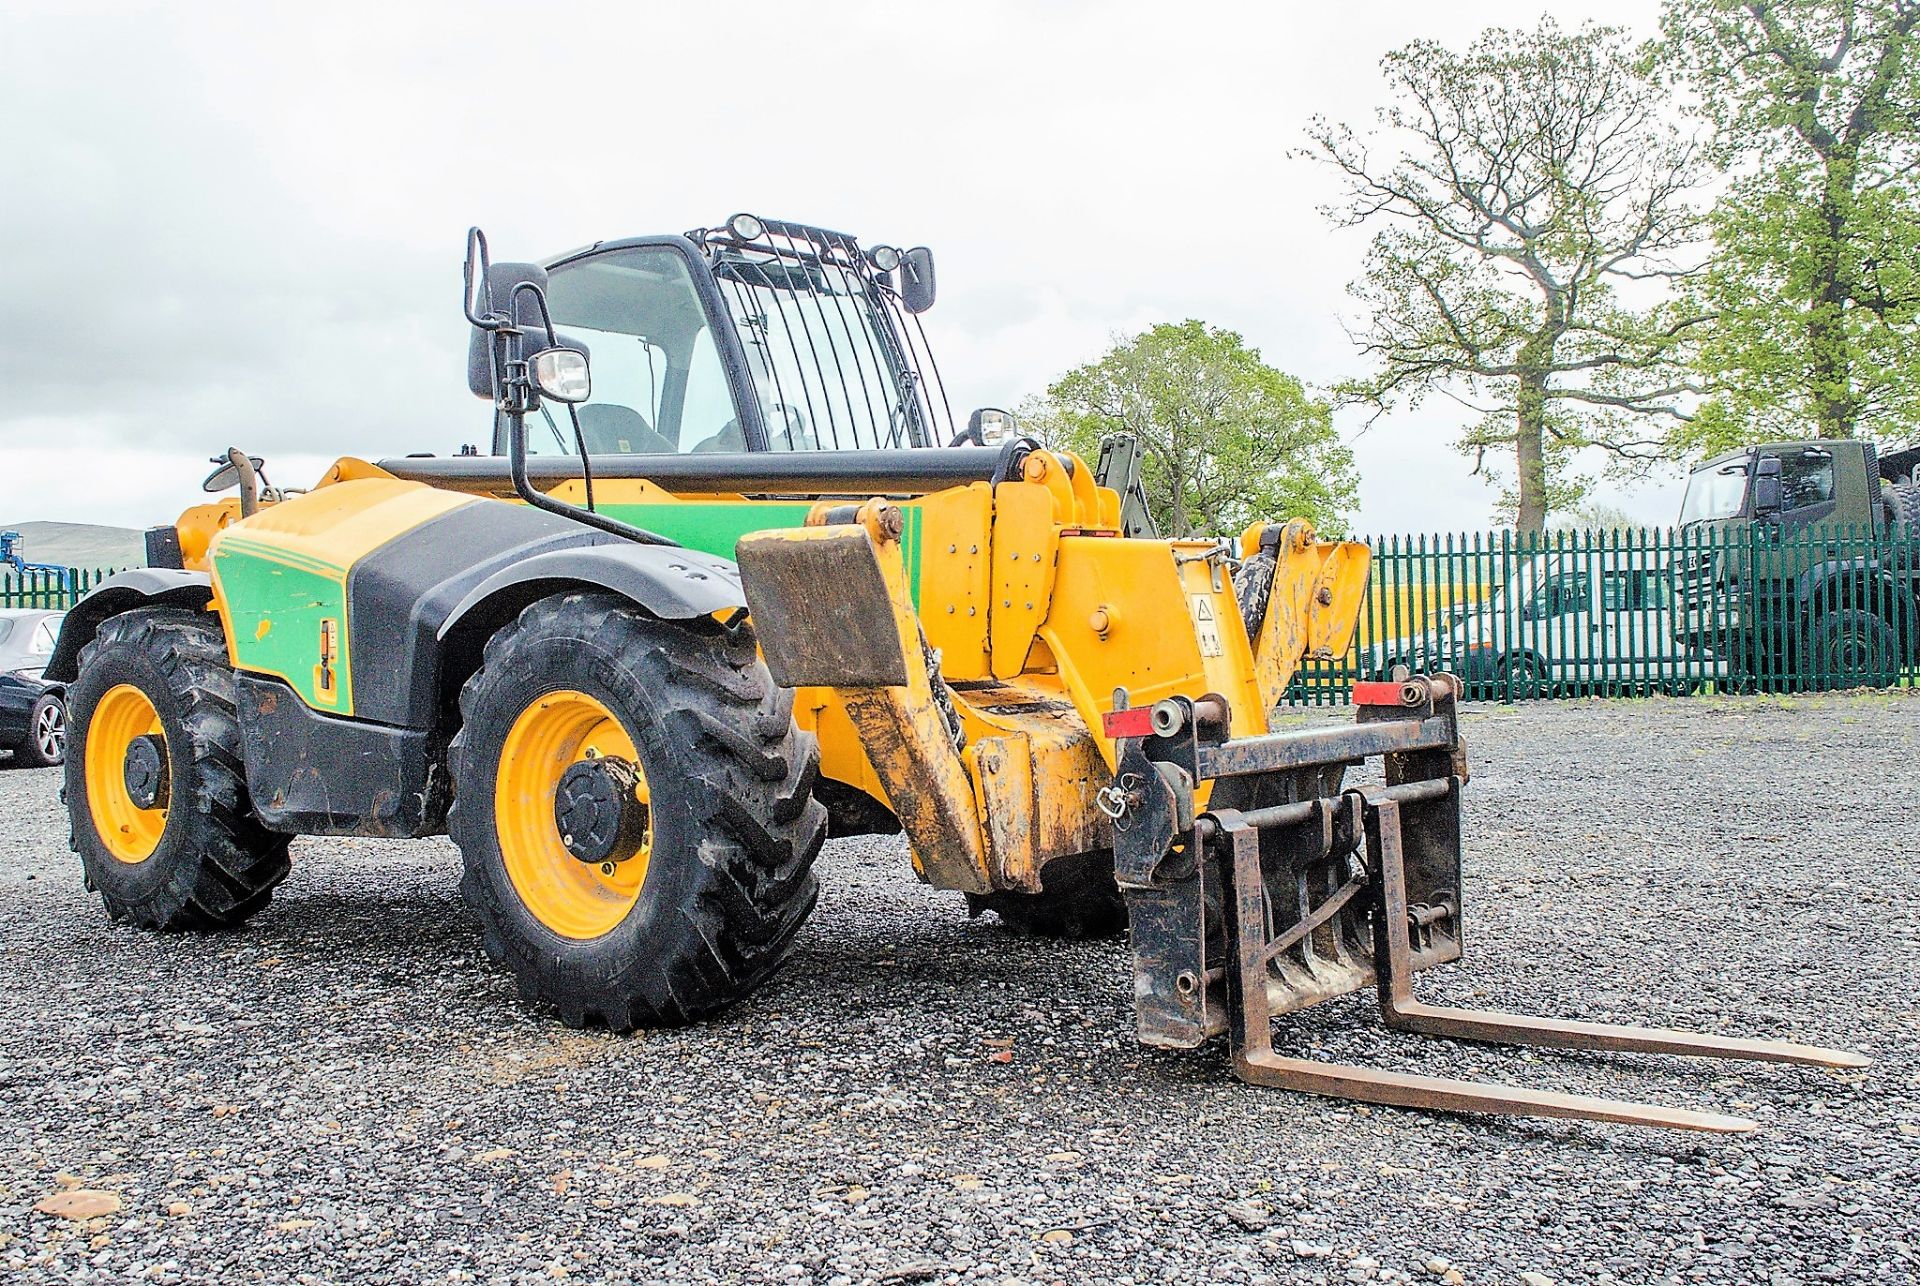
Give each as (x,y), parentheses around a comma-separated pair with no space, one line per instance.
(1225,438)
(1816,269)
(1532,201)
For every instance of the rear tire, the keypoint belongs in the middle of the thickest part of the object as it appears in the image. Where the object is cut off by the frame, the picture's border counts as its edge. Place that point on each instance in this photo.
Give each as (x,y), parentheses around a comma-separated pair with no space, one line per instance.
(731,824)
(198,859)
(1078,899)
(1524,676)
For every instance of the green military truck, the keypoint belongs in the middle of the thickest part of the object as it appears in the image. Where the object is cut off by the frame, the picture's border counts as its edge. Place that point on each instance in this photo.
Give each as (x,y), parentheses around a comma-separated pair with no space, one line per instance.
(1798,564)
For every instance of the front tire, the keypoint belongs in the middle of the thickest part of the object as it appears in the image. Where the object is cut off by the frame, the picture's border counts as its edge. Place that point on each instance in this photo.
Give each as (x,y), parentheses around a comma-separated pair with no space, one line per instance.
(165,830)
(701,899)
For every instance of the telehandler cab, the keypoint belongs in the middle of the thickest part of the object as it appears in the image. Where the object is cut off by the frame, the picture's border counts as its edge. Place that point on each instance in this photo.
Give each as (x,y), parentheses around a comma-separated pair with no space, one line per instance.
(730,580)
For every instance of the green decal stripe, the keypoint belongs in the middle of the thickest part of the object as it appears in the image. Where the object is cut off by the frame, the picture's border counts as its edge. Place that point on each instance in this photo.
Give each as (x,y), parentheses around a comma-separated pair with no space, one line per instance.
(716,527)
(274,553)
(291,601)
(711,528)
(910,550)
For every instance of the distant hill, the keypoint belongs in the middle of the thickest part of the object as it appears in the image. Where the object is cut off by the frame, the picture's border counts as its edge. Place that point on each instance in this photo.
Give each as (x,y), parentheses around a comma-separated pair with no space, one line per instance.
(79,544)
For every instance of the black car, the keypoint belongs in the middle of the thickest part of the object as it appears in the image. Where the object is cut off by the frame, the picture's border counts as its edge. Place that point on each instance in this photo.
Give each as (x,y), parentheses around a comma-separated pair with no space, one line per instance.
(33,720)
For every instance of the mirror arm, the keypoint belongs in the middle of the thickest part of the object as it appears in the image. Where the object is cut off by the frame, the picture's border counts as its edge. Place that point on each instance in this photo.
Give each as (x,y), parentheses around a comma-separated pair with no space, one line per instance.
(477,256)
(573,413)
(249,481)
(523,485)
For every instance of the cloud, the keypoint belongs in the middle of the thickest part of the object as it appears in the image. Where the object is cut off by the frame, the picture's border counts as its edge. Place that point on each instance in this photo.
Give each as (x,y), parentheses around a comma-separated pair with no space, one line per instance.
(242,224)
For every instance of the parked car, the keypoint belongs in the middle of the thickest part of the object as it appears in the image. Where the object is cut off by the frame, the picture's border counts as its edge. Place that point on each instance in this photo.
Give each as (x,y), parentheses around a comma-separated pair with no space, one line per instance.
(33,712)
(33,720)
(26,639)
(1594,621)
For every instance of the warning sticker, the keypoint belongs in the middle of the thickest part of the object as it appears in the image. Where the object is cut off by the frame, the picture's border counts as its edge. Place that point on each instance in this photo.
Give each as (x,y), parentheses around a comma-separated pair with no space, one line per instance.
(1206,624)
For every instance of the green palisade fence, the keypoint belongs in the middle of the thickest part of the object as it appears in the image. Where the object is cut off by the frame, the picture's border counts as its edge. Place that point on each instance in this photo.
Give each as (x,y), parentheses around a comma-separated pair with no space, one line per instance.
(44,589)
(1750,608)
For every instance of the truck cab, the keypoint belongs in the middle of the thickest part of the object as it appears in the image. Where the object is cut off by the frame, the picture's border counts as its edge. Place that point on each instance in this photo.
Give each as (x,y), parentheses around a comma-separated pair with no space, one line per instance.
(1819,482)
(1795,562)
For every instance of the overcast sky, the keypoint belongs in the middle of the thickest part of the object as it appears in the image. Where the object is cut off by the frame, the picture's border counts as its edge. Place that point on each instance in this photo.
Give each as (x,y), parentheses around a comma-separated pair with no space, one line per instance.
(242,223)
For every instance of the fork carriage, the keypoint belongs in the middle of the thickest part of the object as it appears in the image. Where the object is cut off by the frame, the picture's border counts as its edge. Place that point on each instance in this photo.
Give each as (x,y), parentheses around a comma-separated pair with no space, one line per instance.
(1291,888)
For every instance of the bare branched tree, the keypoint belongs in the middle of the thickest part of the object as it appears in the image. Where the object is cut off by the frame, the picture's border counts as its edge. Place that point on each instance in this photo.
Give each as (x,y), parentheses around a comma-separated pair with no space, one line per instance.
(1533,203)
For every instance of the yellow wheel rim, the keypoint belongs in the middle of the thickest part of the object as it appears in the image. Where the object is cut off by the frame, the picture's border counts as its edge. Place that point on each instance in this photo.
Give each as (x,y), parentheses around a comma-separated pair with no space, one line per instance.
(571,897)
(131,833)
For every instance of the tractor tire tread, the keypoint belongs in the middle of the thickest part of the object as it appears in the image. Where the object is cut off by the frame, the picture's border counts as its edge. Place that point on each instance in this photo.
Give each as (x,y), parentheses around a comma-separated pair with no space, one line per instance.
(221,865)
(1906,498)
(747,775)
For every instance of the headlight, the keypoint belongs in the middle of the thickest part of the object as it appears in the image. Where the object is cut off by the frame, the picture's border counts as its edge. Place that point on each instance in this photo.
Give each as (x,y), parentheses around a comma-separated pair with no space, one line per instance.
(885,258)
(990,426)
(746,227)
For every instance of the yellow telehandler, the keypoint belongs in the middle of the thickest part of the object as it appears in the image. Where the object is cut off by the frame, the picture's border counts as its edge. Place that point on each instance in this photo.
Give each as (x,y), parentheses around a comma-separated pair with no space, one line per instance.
(728,579)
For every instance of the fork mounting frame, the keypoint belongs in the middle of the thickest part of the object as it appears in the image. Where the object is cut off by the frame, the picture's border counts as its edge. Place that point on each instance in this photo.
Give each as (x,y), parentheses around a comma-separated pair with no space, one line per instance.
(1290,889)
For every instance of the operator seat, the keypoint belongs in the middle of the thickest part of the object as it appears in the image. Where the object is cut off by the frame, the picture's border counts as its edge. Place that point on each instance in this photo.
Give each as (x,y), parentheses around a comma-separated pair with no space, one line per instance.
(730,438)
(612,429)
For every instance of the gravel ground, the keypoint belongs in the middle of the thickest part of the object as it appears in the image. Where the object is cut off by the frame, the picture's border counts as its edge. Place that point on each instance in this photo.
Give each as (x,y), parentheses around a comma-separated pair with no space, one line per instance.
(345,1090)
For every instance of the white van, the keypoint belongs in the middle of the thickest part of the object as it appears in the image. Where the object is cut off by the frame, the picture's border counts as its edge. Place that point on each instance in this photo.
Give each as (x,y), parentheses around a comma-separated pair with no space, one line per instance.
(1593,620)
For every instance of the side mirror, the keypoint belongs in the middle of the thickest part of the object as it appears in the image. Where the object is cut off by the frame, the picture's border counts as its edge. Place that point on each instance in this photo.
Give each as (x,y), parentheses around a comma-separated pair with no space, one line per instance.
(916,279)
(499,291)
(228,474)
(1766,487)
(562,374)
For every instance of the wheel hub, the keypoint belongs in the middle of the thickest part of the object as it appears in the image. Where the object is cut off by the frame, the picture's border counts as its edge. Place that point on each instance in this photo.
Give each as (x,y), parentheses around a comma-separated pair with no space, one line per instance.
(144,769)
(600,819)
